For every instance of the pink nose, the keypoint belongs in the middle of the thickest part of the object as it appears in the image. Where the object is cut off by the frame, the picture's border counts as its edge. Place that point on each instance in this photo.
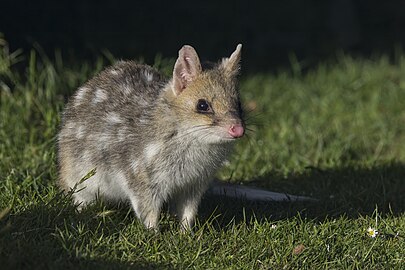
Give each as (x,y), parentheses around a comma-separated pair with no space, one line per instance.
(236,131)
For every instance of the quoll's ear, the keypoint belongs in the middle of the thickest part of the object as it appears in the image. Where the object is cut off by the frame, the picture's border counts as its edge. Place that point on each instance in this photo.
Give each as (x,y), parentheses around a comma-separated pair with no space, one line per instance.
(231,65)
(186,69)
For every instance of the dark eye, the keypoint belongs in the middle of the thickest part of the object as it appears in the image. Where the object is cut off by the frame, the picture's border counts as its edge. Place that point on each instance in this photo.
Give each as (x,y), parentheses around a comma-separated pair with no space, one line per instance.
(203,106)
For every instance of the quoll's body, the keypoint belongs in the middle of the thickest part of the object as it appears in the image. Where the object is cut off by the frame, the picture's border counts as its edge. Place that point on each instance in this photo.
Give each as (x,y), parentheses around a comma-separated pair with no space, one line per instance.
(151,139)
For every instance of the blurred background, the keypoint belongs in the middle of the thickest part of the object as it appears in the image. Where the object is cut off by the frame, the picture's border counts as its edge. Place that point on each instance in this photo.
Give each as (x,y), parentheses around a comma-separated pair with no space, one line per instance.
(271,31)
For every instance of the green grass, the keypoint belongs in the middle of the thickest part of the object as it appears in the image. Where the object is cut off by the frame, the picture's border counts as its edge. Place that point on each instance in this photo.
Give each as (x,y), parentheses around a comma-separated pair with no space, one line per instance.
(336,133)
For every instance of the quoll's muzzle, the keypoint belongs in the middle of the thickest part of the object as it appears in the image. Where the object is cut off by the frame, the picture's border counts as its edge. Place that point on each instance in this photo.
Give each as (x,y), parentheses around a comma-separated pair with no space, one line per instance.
(236,131)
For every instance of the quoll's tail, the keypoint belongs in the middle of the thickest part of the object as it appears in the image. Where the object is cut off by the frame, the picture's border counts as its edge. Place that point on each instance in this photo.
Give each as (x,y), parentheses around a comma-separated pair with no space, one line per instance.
(252,194)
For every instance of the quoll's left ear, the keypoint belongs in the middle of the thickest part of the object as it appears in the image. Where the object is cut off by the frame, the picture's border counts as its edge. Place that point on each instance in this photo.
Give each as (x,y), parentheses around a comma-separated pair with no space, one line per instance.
(186,69)
(231,65)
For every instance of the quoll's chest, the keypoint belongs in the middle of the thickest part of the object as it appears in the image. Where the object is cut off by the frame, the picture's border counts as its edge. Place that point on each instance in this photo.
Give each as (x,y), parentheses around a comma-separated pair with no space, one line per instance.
(181,163)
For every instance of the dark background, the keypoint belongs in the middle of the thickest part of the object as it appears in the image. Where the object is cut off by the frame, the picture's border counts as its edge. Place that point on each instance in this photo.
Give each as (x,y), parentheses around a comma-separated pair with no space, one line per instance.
(270,30)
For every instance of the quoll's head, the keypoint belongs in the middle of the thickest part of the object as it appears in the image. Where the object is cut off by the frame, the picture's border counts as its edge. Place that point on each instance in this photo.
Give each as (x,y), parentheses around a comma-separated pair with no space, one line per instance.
(207,103)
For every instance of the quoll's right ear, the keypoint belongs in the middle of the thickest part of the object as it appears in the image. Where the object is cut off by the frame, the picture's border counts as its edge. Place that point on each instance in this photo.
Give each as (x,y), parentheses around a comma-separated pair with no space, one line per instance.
(231,65)
(186,69)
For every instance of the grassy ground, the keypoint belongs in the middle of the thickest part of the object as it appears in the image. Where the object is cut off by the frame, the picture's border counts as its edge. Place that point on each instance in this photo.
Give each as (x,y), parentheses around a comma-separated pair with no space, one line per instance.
(336,133)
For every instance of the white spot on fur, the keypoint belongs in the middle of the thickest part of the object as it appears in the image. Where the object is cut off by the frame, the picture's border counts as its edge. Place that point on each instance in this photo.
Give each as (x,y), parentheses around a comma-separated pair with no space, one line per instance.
(113,118)
(80,132)
(86,156)
(142,102)
(103,139)
(151,150)
(134,165)
(127,89)
(67,130)
(114,72)
(70,126)
(148,76)
(121,136)
(100,96)
(80,95)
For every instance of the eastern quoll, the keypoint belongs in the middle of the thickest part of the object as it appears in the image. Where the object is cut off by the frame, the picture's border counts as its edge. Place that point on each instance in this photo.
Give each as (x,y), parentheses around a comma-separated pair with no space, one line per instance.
(151,139)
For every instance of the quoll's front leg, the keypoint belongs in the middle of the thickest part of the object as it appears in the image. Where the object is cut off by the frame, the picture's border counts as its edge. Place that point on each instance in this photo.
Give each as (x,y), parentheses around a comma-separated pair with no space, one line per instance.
(144,200)
(186,206)
(147,209)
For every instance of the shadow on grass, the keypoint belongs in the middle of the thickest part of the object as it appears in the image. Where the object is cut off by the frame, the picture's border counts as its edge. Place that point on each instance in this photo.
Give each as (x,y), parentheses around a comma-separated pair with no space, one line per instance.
(349,192)
(33,239)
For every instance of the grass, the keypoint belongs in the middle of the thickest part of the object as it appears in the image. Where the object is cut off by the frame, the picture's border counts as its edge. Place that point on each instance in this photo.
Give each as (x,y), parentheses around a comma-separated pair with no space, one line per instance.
(336,133)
